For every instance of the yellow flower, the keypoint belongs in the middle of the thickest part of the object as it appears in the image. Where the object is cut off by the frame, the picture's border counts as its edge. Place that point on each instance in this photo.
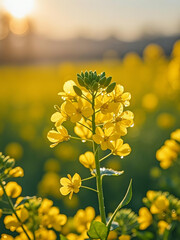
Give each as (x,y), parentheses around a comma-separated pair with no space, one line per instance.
(53,219)
(121,97)
(1,213)
(87,160)
(173,145)
(145,218)
(151,195)
(162,225)
(103,118)
(83,218)
(118,148)
(105,136)
(69,92)
(1,191)
(124,237)
(176,135)
(16,172)
(70,184)
(58,136)
(44,234)
(82,131)
(166,156)
(59,117)
(123,121)
(11,221)
(45,206)
(13,189)
(106,105)
(77,110)
(159,205)
(6,237)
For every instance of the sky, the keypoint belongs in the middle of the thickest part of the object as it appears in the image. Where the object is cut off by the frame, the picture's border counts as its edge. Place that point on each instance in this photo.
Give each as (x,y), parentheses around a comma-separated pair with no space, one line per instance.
(125,19)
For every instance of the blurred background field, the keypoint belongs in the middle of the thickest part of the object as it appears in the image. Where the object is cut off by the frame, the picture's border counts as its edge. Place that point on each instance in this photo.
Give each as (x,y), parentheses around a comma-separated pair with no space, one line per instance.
(32,72)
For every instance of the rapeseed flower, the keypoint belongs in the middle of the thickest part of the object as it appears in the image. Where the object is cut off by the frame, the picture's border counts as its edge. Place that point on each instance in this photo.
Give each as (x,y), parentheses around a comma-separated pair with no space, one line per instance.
(70,184)
(124,237)
(162,226)
(105,136)
(87,160)
(69,92)
(118,148)
(145,218)
(81,131)
(13,189)
(58,136)
(160,205)
(77,110)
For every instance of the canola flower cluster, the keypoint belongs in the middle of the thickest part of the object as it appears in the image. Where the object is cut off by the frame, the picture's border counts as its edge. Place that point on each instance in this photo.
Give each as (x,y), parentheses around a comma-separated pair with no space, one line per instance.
(30,217)
(169,152)
(99,101)
(162,211)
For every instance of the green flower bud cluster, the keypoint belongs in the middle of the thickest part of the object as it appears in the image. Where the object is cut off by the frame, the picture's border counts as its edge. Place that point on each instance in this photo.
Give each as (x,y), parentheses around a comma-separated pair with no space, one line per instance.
(93,82)
(127,221)
(6,163)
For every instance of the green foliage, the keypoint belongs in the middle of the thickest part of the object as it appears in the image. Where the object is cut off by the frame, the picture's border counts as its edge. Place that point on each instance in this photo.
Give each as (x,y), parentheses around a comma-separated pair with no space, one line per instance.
(98,230)
(124,202)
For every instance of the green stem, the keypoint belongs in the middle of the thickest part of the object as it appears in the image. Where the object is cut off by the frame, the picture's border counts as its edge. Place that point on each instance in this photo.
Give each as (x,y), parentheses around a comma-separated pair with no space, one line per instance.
(14,211)
(98,174)
(85,179)
(92,189)
(105,156)
(84,126)
(76,138)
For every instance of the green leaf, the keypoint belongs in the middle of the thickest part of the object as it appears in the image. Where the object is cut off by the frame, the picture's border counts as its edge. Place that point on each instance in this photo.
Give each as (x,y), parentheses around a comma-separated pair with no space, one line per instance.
(98,230)
(124,202)
(108,172)
(63,237)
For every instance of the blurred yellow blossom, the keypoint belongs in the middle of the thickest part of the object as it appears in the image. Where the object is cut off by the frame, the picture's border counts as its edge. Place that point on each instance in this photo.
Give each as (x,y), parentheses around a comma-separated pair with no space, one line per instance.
(70,184)
(160,204)
(13,189)
(83,218)
(14,150)
(145,218)
(176,135)
(124,237)
(16,172)
(165,120)
(150,101)
(162,225)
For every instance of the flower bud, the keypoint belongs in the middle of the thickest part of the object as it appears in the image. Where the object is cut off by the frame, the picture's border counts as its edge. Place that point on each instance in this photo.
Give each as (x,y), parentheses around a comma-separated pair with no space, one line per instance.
(77,90)
(9,163)
(102,80)
(95,86)
(111,87)
(107,82)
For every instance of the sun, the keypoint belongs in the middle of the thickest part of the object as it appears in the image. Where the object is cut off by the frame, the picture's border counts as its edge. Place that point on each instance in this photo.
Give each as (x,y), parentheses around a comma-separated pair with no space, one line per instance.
(19,8)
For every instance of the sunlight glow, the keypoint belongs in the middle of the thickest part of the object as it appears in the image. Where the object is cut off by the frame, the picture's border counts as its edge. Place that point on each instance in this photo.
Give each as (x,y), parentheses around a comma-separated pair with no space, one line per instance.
(19,8)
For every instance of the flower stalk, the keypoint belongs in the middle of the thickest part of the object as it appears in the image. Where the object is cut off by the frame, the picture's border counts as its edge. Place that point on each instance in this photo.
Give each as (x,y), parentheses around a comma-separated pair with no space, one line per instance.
(13,210)
(98,174)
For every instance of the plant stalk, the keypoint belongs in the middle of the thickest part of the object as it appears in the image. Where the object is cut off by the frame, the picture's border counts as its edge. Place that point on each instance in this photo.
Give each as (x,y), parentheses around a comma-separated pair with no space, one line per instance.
(98,174)
(13,210)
